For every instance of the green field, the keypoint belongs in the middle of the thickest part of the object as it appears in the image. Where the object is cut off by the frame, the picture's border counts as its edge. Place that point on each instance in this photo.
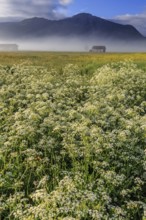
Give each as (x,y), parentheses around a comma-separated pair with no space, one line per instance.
(72,136)
(59,59)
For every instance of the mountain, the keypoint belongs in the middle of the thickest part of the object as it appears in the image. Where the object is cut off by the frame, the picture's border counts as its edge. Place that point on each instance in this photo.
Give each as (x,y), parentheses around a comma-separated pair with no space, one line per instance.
(83,27)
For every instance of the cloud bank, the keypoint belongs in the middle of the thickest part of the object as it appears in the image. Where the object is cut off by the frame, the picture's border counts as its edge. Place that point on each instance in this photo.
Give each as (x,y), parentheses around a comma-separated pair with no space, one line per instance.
(51,9)
(137,20)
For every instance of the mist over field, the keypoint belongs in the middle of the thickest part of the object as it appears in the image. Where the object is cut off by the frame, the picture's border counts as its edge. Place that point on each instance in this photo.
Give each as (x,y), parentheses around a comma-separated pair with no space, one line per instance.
(75,44)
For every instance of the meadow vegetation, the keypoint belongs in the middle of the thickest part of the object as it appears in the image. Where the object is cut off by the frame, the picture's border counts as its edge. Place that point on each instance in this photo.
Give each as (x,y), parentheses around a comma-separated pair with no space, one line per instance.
(87,61)
(73,141)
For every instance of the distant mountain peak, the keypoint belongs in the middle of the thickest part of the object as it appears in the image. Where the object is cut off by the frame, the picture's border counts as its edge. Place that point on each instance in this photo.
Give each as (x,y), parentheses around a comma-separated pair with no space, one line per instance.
(83,14)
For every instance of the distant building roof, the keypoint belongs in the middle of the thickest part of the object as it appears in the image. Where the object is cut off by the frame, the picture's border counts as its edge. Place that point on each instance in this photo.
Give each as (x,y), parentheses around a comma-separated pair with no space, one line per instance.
(99,49)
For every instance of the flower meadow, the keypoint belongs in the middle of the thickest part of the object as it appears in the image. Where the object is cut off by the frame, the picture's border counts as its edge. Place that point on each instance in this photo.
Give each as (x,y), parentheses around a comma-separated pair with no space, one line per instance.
(72,144)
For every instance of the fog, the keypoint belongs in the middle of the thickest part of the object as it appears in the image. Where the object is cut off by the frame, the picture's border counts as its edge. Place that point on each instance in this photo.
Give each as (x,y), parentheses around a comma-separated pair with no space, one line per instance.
(72,44)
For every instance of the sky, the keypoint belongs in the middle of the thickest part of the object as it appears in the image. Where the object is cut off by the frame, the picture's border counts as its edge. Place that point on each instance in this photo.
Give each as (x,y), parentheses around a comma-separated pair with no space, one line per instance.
(108,8)
(56,9)
(122,11)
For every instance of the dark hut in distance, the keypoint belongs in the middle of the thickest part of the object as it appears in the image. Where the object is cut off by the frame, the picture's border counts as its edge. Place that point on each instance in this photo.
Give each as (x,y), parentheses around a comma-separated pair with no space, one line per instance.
(98,49)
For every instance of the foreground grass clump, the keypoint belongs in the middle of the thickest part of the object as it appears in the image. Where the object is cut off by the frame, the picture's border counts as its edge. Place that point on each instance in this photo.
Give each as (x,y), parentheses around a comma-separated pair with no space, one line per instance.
(72,145)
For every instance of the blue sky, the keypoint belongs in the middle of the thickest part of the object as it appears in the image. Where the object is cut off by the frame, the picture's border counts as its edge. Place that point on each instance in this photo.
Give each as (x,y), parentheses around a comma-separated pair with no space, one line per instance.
(48,8)
(56,9)
(107,8)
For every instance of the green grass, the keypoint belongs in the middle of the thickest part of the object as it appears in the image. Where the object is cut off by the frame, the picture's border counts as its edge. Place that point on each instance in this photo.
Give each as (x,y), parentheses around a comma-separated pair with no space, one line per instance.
(60,59)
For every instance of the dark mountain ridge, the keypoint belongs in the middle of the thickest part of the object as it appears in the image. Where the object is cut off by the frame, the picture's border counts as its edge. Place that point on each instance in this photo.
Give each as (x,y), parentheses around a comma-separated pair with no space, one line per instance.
(80,25)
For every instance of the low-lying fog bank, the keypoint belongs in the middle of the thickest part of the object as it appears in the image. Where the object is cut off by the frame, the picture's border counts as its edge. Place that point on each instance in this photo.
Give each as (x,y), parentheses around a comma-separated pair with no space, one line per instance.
(76,44)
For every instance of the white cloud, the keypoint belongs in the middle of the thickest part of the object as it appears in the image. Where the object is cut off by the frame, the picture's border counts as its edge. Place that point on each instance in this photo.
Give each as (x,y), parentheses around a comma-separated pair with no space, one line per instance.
(131,16)
(52,9)
(65,2)
(137,20)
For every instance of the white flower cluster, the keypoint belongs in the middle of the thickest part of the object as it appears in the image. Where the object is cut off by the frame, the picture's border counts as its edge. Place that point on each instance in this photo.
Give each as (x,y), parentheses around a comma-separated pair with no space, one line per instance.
(72,144)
